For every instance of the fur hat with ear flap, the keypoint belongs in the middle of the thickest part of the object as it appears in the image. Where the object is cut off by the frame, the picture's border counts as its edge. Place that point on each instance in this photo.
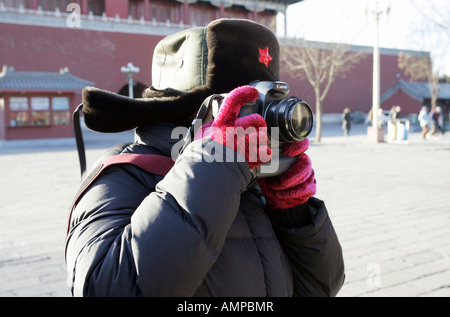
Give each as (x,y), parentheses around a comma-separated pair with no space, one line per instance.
(188,67)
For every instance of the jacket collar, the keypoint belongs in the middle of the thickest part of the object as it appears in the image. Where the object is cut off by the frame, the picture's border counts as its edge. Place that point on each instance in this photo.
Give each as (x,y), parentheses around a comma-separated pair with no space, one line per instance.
(162,136)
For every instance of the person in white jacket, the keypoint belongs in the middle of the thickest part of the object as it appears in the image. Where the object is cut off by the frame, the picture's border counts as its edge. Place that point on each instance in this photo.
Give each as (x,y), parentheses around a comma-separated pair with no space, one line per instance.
(424,121)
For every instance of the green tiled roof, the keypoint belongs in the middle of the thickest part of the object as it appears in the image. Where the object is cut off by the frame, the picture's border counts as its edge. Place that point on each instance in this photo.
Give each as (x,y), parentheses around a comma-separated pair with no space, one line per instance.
(417,90)
(40,81)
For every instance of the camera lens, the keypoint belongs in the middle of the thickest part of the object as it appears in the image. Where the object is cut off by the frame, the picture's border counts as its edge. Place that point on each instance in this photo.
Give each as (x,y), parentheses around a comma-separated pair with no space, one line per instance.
(300,119)
(293,118)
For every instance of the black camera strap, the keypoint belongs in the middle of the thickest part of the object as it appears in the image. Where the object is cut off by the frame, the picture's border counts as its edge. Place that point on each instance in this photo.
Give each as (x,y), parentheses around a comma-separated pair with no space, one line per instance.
(79,139)
(203,110)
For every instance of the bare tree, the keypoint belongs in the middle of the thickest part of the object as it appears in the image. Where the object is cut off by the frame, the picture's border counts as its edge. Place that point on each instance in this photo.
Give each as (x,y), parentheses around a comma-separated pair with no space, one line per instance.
(418,68)
(320,64)
(437,15)
(432,33)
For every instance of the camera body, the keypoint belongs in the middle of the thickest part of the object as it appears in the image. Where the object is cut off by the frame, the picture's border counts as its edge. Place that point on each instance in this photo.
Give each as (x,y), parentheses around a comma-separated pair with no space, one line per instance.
(288,120)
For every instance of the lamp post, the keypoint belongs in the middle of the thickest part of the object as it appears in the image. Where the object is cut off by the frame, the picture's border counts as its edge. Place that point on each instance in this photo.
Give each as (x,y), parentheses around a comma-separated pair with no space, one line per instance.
(130,70)
(376,133)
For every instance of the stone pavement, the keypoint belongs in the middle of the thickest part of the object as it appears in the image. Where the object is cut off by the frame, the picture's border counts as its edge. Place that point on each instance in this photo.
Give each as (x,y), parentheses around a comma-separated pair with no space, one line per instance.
(389,204)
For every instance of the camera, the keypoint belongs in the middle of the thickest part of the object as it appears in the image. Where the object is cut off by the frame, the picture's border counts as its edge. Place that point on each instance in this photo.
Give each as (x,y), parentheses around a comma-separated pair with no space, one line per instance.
(292,117)
(288,120)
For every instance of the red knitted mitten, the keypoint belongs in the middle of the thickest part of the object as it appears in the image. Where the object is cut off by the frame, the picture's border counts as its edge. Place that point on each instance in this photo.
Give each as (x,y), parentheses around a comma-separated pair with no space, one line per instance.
(246,135)
(296,185)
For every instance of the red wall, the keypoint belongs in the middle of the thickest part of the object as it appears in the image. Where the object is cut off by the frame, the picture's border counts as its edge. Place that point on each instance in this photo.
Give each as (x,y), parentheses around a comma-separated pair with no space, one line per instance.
(92,55)
(114,7)
(98,56)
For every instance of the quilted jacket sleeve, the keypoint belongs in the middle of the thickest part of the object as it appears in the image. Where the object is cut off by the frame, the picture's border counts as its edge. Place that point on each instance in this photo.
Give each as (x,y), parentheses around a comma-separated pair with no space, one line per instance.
(131,235)
(307,236)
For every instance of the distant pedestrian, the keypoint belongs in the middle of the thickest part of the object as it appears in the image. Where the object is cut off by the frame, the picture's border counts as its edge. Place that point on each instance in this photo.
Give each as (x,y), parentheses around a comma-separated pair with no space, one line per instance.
(395,114)
(424,121)
(435,121)
(346,118)
(379,117)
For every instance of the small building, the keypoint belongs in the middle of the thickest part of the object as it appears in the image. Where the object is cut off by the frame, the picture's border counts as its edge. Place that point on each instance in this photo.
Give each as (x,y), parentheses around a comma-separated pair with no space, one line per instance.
(411,96)
(38,105)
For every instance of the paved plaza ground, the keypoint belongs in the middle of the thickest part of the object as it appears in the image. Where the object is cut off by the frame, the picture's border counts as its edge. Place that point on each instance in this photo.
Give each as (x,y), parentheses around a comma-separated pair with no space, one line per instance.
(389,204)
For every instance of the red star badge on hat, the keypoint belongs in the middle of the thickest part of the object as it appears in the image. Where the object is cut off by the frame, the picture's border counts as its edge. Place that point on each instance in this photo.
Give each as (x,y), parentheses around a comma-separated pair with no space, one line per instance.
(264,56)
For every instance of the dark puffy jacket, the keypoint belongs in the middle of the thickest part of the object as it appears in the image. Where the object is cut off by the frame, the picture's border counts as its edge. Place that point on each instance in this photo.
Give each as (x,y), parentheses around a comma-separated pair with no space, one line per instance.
(199,231)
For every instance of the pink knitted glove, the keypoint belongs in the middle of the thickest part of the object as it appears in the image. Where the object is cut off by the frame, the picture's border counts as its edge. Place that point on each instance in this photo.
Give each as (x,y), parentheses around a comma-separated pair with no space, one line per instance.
(296,185)
(246,135)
